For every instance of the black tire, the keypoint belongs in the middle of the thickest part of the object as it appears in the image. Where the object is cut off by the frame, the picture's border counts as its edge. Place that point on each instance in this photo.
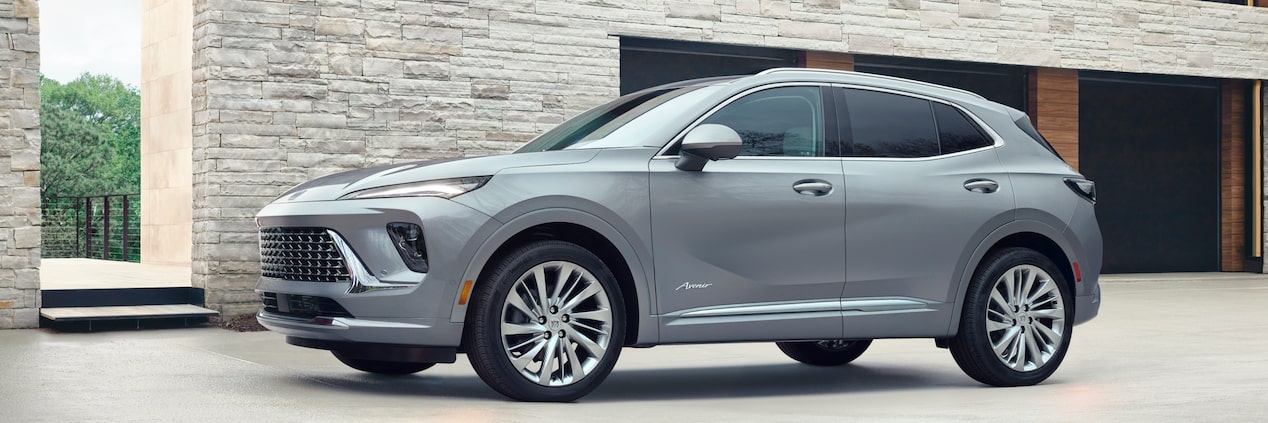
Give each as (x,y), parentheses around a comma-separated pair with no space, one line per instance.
(831,352)
(972,347)
(490,352)
(390,368)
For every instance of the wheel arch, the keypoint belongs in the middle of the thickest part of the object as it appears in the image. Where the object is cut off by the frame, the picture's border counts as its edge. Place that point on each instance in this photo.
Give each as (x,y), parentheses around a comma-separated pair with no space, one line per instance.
(589,232)
(1028,234)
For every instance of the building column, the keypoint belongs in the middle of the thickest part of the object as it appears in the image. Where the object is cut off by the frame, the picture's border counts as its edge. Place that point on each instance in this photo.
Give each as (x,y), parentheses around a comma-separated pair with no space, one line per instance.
(167,187)
(19,164)
(1232,175)
(1054,109)
(827,60)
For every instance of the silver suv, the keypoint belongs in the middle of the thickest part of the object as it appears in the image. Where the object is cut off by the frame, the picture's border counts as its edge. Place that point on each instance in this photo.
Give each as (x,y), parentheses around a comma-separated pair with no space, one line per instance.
(816,209)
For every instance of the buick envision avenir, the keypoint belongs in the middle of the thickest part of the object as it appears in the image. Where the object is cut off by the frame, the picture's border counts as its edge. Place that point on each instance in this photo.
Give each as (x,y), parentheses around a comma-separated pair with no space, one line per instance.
(816,209)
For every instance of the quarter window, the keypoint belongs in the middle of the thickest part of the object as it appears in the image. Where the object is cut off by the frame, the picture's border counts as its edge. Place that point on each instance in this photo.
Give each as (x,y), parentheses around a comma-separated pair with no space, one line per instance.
(955,132)
(785,121)
(890,125)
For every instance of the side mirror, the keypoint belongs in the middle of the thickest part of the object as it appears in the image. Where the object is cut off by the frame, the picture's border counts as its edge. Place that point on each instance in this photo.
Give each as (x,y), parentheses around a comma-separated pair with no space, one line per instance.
(707,142)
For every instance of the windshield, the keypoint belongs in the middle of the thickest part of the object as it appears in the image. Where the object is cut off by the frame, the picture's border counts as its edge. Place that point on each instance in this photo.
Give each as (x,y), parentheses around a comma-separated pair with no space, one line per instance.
(603,126)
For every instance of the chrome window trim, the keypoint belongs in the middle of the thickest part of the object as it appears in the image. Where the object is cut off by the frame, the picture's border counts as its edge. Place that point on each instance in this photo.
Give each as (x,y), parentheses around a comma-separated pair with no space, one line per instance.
(981,124)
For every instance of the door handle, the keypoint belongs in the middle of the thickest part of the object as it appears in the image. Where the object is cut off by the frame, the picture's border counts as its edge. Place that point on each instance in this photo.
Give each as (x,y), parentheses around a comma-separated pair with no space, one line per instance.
(813,187)
(985,186)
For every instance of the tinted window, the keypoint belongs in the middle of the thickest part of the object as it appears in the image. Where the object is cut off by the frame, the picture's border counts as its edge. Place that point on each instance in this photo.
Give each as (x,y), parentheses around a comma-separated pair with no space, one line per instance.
(955,132)
(890,125)
(785,121)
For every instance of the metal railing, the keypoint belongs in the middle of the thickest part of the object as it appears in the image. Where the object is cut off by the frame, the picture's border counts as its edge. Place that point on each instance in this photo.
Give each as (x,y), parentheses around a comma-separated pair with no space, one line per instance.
(106,227)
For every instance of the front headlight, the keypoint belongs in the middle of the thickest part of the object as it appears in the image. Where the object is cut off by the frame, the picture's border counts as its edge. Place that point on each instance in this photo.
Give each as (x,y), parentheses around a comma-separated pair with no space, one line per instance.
(443,188)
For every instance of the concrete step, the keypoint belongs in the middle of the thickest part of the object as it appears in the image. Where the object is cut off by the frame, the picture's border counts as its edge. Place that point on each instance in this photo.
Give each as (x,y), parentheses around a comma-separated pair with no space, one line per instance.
(163,311)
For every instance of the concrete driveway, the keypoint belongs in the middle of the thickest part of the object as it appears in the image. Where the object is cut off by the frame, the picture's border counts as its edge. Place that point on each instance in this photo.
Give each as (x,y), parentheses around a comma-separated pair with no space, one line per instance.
(1187,348)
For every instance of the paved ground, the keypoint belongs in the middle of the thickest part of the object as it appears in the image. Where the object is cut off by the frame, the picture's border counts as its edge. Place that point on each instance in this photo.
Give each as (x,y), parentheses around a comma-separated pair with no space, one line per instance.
(1175,350)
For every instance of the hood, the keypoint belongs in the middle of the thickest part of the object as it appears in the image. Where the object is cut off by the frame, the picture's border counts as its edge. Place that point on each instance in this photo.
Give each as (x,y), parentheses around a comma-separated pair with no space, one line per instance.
(331,187)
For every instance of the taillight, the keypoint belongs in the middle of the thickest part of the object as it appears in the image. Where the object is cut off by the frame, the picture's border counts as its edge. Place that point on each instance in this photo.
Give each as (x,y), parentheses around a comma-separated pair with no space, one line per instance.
(1083,187)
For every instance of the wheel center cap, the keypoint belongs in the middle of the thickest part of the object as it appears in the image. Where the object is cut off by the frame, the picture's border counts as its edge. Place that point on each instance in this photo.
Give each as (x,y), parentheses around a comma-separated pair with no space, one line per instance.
(554,324)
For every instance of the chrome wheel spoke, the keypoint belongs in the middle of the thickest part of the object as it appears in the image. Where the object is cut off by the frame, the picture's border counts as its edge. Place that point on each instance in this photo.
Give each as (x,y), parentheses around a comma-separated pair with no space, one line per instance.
(1002,346)
(513,298)
(590,290)
(574,364)
(539,276)
(591,347)
(522,329)
(524,360)
(548,361)
(992,326)
(1052,313)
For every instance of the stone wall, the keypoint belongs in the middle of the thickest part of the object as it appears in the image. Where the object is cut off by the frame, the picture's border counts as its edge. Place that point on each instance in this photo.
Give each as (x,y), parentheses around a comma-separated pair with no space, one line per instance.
(19,164)
(285,90)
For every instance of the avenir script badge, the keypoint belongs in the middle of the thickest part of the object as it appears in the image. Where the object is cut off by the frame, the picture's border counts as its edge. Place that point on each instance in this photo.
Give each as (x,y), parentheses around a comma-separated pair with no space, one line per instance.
(689,285)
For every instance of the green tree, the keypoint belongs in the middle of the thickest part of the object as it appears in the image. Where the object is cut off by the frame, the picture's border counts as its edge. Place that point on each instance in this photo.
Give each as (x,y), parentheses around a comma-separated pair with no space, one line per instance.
(83,122)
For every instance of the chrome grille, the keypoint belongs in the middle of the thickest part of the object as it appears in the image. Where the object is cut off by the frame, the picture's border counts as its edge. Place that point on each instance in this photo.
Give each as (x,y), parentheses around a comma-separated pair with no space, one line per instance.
(301,254)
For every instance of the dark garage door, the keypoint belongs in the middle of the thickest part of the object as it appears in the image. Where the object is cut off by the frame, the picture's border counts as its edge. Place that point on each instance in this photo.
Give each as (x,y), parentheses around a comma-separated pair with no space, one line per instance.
(1003,84)
(1152,145)
(646,63)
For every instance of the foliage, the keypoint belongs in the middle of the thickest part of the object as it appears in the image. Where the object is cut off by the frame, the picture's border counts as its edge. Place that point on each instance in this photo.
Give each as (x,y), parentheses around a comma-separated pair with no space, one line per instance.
(90,136)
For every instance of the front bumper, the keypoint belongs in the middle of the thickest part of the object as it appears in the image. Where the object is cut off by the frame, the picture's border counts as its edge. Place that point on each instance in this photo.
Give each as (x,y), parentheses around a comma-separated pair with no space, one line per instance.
(384,302)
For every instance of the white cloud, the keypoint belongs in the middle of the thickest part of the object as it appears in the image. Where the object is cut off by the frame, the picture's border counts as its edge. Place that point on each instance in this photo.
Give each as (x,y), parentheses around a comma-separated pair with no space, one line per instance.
(95,36)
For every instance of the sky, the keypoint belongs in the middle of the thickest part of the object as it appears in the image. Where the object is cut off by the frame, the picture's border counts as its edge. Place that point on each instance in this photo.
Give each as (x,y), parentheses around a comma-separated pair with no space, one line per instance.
(96,36)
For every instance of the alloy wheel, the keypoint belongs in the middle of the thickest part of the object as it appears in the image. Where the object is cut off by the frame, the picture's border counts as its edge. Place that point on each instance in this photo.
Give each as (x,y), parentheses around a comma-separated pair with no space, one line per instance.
(556,323)
(1025,318)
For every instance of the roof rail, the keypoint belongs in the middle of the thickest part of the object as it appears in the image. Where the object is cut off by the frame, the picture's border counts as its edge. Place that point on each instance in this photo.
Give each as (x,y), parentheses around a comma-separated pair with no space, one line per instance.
(872,75)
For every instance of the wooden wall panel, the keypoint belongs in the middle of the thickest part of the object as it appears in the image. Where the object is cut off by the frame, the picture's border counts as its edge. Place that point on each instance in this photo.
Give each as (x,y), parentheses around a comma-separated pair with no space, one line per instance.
(1054,109)
(1232,176)
(828,60)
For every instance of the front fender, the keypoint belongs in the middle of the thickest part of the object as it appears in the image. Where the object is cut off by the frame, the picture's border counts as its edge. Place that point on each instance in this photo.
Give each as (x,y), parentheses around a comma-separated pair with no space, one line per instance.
(496,236)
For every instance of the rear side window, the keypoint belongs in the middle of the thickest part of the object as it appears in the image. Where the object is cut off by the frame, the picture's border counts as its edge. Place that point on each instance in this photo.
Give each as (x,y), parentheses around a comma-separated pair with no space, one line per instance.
(955,132)
(890,125)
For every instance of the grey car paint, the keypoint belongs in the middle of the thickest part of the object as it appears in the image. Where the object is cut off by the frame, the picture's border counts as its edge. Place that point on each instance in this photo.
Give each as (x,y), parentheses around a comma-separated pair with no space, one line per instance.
(854,278)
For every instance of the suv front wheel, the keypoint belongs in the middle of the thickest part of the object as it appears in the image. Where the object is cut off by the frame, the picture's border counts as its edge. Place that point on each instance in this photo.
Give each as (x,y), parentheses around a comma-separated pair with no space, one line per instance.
(547,323)
(1017,320)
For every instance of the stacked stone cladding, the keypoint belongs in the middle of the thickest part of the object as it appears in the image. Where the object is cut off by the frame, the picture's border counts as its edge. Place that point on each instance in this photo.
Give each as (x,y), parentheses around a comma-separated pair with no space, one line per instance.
(286,90)
(19,164)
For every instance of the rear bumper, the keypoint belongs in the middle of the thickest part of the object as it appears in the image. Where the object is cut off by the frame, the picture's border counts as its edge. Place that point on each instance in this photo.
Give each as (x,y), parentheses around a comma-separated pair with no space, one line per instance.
(1087,306)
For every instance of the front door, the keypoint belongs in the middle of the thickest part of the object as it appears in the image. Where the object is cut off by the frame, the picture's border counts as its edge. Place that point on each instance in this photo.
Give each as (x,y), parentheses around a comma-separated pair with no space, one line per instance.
(753,248)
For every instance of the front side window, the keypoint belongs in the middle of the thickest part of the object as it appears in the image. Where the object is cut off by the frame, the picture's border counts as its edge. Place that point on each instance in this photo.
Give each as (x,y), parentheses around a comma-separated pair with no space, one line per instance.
(890,125)
(784,121)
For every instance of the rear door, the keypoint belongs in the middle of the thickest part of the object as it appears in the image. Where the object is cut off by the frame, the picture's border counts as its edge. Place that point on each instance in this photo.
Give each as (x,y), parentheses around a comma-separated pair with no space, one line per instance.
(923,187)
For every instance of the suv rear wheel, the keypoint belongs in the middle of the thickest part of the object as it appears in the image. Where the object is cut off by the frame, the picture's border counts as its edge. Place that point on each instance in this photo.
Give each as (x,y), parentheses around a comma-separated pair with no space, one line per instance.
(828,352)
(392,368)
(1017,320)
(547,323)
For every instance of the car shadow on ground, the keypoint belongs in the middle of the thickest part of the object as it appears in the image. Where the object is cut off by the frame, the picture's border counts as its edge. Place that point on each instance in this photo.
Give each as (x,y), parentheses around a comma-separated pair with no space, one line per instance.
(785,379)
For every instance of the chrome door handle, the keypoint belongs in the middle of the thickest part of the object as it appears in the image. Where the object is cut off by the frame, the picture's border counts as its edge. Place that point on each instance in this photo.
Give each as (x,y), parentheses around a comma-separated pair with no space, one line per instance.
(985,186)
(813,187)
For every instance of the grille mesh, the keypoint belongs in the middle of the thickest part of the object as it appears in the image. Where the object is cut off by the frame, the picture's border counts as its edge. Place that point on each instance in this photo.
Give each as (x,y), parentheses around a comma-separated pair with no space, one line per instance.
(301,254)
